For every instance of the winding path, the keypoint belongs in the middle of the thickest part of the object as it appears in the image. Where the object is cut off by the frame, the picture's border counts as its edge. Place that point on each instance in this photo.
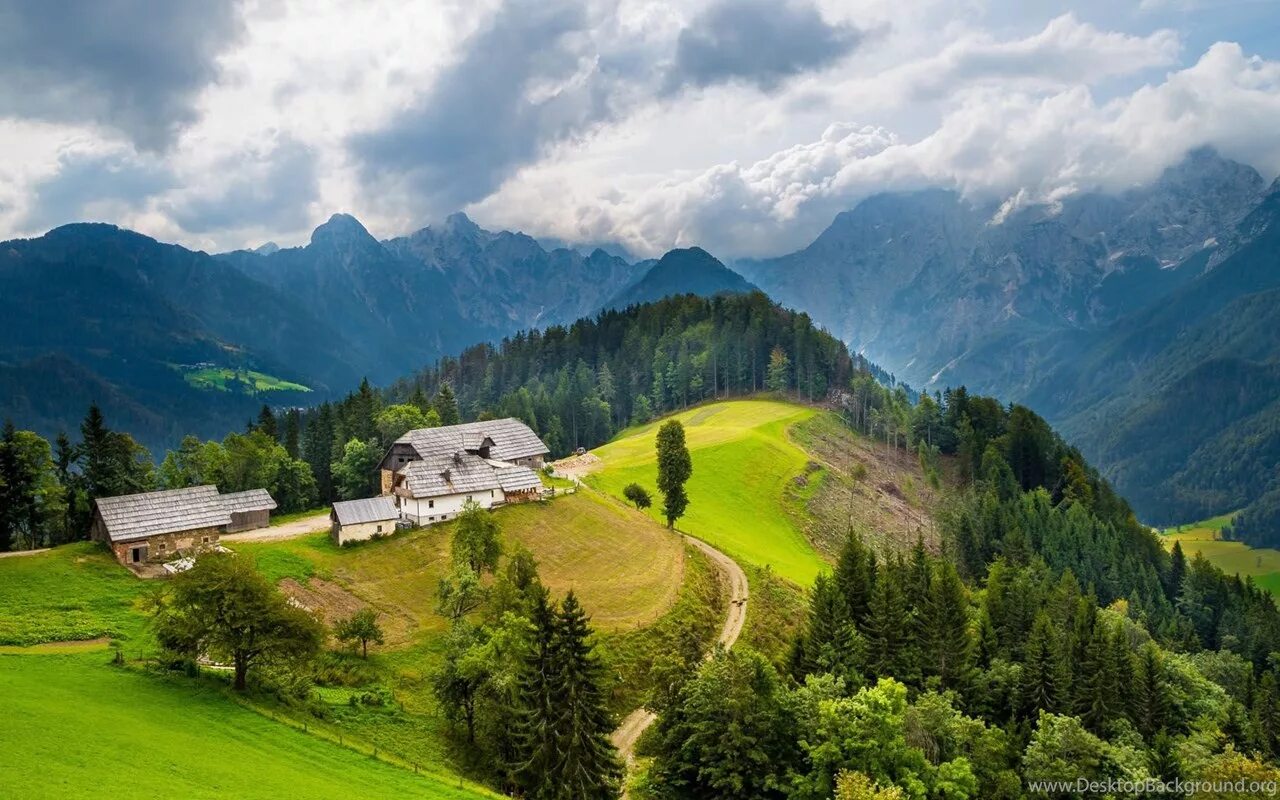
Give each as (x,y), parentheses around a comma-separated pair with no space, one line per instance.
(625,737)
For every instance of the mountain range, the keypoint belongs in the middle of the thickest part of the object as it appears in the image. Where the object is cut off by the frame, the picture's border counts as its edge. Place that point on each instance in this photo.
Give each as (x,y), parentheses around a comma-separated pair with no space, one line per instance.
(1142,324)
(171,341)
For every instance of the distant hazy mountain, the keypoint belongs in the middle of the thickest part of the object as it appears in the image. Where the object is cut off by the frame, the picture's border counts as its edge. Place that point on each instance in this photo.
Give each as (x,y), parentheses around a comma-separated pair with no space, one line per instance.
(169,340)
(1142,324)
(926,281)
(90,312)
(689,271)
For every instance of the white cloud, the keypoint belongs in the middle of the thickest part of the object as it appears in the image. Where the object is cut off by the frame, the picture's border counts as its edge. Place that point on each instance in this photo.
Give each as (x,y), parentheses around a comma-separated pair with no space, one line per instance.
(932,94)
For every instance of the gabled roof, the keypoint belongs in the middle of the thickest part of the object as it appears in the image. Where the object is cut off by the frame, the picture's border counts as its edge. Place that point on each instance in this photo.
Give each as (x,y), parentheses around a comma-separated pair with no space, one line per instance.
(517,479)
(137,516)
(252,500)
(372,509)
(511,439)
(443,475)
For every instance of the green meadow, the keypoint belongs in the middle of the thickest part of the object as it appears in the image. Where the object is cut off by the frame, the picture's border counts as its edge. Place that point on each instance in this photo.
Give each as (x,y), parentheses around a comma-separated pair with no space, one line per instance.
(77,727)
(1261,563)
(226,379)
(743,459)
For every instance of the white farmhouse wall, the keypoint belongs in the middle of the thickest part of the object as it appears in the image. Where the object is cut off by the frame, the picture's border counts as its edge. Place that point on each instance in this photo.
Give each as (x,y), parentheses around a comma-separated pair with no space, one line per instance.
(363,531)
(441,509)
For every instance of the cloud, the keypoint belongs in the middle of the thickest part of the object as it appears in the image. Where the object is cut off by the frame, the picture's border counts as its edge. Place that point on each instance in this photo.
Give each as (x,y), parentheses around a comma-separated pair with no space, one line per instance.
(993,144)
(757,42)
(131,65)
(523,81)
(1065,52)
(94,186)
(270,189)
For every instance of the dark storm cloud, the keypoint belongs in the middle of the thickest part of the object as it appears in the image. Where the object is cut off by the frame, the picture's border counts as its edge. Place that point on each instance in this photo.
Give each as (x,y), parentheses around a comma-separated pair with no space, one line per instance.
(489,113)
(271,191)
(760,42)
(133,65)
(82,180)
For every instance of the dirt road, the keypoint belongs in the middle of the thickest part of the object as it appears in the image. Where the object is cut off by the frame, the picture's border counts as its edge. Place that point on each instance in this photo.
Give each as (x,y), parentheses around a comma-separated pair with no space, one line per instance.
(625,737)
(297,527)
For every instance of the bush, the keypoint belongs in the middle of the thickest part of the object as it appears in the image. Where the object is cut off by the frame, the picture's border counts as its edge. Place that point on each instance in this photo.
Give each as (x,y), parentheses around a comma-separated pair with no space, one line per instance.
(637,496)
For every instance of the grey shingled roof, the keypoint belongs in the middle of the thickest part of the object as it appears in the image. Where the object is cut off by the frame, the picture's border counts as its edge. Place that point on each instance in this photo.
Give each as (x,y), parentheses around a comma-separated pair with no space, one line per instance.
(517,479)
(372,509)
(137,516)
(512,439)
(443,475)
(252,500)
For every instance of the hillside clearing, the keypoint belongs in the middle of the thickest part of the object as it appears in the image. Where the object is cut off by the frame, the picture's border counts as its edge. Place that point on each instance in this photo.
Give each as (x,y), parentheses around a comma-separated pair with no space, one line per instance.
(742,462)
(1234,558)
(195,743)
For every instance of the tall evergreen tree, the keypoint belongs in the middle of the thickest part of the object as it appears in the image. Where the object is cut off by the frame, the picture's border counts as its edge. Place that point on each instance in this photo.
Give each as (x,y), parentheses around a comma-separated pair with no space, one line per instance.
(586,765)
(1150,698)
(1041,670)
(267,422)
(534,724)
(293,433)
(948,646)
(674,468)
(888,626)
(446,405)
(854,576)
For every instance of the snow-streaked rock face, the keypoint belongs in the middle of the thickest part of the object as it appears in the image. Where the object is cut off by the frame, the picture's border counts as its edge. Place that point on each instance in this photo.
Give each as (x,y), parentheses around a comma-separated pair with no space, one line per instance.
(926,282)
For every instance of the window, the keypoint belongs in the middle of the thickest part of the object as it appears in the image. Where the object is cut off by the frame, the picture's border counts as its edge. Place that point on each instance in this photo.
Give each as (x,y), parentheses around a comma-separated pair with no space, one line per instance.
(491,493)
(161,547)
(443,517)
(469,497)
(379,529)
(431,519)
(431,504)
(204,540)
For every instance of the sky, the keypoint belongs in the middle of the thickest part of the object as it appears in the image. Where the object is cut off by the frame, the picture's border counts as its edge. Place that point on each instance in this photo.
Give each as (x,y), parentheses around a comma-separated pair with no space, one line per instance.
(742,126)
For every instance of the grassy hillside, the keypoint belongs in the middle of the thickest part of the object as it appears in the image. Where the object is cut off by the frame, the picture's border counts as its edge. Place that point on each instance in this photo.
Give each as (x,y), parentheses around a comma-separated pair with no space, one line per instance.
(167,738)
(743,460)
(634,578)
(778,484)
(625,570)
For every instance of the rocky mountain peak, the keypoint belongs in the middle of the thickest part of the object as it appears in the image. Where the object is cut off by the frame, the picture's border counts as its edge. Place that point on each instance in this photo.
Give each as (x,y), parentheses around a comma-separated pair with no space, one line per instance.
(341,229)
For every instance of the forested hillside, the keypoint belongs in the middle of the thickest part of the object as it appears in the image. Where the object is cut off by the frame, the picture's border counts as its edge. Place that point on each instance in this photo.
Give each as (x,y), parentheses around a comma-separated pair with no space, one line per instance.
(1051,639)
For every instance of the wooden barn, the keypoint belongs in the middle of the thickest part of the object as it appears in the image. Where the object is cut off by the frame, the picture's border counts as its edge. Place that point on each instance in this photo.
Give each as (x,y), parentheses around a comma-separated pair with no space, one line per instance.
(157,526)
(507,440)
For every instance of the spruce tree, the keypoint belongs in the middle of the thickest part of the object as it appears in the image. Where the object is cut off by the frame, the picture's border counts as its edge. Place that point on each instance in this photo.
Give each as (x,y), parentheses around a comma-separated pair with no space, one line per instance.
(1150,698)
(533,726)
(889,625)
(829,642)
(854,576)
(292,432)
(586,765)
(949,643)
(267,422)
(446,405)
(674,468)
(1041,669)
(1176,572)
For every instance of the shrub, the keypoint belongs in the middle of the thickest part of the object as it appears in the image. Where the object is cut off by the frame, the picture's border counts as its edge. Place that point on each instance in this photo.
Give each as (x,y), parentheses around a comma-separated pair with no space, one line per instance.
(636,494)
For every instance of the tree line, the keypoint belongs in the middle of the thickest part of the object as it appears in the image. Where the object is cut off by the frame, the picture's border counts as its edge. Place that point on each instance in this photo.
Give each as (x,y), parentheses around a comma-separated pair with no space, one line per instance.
(575,386)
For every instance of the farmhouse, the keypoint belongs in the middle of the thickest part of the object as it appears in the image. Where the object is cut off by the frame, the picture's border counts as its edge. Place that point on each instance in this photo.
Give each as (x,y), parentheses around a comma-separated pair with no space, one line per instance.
(433,472)
(360,520)
(155,526)
(508,440)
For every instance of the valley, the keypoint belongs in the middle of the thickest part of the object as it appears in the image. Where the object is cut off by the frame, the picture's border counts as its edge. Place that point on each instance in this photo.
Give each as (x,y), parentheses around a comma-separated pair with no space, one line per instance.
(1261,564)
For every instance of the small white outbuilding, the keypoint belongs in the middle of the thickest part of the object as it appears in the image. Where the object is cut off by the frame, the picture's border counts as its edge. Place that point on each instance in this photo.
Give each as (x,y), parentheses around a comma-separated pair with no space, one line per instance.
(360,520)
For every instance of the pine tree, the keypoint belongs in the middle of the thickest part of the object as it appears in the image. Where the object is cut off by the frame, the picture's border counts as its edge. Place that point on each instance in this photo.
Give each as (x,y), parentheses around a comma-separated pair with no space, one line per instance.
(1265,716)
(1150,692)
(1041,669)
(446,405)
(1176,572)
(586,765)
(674,468)
(533,737)
(267,422)
(888,625)
(949,644)
(854,576)
(293,432)
(829,643)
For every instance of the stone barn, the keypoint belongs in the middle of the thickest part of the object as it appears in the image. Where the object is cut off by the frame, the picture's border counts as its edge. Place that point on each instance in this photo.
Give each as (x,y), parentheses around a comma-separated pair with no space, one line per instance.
(361,520)
(157,526)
